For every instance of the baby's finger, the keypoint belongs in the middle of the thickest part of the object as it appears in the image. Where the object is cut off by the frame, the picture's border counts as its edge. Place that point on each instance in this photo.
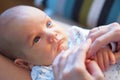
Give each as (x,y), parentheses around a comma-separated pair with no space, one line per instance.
(99,42)
(106,58)
(100,60)
(112,58)
(111,31)
(117,56)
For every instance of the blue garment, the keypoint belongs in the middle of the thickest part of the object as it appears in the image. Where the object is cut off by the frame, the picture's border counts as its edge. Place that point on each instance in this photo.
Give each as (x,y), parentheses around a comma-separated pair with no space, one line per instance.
(76,35)
(42,73)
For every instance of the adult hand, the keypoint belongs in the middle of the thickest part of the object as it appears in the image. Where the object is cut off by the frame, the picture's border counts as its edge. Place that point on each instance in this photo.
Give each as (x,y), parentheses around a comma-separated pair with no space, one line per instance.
(102,36)
(70,65)
(10,71)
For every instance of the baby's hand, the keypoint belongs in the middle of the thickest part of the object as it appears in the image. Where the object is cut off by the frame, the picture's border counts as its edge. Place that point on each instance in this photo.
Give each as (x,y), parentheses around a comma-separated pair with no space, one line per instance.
(117,53)
(117,56)
(104,57)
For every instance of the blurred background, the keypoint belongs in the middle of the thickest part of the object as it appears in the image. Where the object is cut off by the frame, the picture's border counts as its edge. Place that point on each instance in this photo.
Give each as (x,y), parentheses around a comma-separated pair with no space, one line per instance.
(5,4)
(84,13)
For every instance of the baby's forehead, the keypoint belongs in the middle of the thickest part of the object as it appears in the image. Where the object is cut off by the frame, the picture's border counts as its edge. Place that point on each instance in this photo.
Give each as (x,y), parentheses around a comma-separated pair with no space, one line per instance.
(22,16)
(21,11)
(18,21)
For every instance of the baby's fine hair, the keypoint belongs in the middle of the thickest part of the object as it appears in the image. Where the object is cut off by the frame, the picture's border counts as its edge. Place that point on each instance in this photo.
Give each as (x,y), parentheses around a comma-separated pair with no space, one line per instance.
(7,18)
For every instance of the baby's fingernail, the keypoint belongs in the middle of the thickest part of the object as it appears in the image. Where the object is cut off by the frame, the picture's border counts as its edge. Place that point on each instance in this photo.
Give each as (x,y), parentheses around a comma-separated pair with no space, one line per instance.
(113,61)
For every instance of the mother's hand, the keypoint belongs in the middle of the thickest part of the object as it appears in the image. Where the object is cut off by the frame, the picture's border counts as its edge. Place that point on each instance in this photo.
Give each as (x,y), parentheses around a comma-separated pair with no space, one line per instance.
(102,36)
(70,65)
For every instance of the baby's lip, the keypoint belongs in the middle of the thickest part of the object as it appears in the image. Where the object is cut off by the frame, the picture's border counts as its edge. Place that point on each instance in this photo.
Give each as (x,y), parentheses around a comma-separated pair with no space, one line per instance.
(59,43)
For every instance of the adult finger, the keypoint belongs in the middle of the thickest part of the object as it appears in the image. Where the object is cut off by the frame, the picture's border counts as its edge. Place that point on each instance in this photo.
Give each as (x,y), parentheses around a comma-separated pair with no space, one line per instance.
(60,61)
(77,65)
(64,61)
(101,41)
(80,52)
(95,71)
(110,35)
(103,29)
(96,32)
(55,65)
(84,50)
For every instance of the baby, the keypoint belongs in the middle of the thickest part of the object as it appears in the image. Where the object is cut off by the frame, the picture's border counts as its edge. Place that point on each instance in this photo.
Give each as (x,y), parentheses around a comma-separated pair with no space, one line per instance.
(32,39)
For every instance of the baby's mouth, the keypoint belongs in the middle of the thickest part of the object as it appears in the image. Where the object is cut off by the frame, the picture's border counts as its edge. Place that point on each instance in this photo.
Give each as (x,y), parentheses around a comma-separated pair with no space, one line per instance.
(60,47)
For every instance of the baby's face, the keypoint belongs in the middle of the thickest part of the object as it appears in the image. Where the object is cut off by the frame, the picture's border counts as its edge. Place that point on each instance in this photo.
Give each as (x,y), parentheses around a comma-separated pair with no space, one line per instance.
(39,39)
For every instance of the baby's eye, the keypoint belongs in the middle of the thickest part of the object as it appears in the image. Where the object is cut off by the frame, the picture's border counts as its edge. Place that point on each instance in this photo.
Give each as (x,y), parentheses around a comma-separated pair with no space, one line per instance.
(49,24)
(36,39)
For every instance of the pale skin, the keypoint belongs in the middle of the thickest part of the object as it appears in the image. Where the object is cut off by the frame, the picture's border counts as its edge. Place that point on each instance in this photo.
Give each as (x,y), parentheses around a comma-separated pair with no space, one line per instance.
(10,71)
(65,71)
(71,65)
(105,57)
(33,37)
(104,35)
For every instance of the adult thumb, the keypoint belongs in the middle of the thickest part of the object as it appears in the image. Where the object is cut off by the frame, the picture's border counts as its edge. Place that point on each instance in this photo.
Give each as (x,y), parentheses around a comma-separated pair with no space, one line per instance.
(84,50)
(94,70)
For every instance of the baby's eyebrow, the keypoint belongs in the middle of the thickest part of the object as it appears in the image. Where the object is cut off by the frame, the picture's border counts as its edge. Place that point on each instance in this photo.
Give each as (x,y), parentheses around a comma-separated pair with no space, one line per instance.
(43,18)
(31,35)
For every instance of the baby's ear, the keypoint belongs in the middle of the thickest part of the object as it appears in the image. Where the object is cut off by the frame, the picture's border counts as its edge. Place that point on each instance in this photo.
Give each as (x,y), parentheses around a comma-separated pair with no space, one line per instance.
(23,64)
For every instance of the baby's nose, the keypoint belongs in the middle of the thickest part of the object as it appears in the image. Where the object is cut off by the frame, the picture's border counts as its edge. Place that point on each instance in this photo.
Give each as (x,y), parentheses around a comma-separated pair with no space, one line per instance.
(52,37)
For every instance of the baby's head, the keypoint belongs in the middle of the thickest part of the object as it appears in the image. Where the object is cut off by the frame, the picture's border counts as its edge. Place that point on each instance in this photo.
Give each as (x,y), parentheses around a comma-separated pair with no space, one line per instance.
(29,35)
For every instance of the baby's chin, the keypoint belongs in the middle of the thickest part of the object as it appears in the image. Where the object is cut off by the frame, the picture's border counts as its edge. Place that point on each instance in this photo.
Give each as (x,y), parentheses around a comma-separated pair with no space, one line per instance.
(63,47)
